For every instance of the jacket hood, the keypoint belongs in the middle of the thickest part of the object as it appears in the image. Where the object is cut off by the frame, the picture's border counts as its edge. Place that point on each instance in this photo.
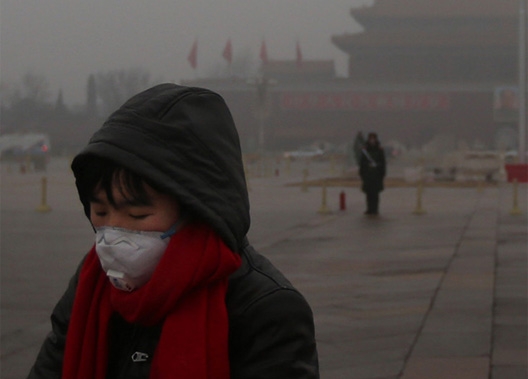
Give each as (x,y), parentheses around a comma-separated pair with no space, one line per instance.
(183,140)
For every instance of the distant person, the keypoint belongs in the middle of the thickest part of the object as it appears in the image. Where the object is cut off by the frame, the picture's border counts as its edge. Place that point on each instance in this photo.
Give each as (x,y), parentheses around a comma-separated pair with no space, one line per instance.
(171,287)
(372,169)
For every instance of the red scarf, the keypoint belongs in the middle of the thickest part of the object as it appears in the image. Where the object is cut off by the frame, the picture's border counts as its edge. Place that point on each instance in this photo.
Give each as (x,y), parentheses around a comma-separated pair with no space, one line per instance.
(186,293)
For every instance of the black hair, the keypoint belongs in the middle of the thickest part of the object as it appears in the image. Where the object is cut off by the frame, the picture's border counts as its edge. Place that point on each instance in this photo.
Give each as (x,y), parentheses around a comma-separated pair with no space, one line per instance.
(104,174)
(377,143)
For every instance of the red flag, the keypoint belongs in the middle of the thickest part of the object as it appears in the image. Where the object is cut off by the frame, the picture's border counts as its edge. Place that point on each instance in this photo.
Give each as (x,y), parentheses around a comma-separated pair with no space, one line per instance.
(228,51)
(298,54)
(193,55)
(263,53)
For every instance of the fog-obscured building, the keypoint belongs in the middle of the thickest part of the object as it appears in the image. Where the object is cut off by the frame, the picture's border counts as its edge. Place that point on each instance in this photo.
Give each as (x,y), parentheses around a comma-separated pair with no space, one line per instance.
(418,70)
(449,63)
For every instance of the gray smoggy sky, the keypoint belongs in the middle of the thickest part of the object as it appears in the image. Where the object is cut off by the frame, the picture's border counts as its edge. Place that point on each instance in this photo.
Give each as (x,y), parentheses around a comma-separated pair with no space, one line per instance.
(66,40)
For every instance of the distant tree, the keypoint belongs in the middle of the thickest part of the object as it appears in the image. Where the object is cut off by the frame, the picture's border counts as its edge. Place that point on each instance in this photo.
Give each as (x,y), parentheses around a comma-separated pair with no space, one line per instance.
(115,87)
(6,95)
(26,104)
(35,87)
(33,90)
(91,96)
(60,107)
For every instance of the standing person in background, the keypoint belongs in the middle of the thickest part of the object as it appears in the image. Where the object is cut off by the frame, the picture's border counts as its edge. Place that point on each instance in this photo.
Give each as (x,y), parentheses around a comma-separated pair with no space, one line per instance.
(372,169)
(171,287)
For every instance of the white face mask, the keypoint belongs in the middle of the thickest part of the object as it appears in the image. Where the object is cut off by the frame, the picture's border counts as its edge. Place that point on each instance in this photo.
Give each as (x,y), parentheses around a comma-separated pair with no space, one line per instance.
(130,257)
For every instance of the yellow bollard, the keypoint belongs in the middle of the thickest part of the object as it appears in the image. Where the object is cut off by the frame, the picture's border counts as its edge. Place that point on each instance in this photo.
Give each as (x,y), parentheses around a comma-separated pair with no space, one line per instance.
(419,190)
(515,209)
(304,186)
(324,208)
(44,207)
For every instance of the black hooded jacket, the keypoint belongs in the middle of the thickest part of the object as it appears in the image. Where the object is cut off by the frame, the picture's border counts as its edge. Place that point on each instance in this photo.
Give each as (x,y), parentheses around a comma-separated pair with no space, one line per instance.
(184,141)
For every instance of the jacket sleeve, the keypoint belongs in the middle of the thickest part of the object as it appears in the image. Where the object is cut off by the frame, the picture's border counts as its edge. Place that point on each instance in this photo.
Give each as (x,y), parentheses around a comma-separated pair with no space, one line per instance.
(275,338)
(48,364)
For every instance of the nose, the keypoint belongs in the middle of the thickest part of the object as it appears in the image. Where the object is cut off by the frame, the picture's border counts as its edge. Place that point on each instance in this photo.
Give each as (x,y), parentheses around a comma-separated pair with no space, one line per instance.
(117,219)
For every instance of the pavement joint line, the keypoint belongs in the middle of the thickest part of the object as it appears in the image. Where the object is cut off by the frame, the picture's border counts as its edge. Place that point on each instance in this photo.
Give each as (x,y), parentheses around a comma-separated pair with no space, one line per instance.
(297,230)
(440,283)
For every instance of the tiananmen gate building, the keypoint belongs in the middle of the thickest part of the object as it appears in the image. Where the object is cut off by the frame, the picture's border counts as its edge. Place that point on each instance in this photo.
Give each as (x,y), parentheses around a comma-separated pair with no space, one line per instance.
(419,69)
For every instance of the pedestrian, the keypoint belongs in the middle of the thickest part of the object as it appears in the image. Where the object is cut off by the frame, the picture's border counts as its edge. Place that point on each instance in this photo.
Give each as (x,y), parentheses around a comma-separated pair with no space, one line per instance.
(172,287)
(372,170)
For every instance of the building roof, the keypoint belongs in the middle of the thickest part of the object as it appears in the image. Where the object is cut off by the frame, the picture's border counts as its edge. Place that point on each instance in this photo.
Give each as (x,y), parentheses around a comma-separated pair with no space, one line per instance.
(459,37)
(434,23)
(440,8)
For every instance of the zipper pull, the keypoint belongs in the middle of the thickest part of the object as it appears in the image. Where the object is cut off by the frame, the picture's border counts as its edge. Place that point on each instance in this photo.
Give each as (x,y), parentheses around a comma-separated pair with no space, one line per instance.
(139,357)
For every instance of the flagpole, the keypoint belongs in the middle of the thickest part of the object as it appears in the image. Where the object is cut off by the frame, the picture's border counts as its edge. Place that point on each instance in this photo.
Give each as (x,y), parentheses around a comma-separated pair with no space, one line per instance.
(192,58)
(298,54)
(228,56)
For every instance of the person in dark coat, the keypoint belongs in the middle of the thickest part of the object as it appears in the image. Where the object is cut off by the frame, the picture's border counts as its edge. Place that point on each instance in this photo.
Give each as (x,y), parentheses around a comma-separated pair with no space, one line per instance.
(372,169)
(172,288)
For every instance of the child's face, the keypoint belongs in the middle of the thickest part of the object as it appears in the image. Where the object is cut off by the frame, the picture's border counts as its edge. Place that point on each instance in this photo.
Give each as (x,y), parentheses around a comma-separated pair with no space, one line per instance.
(160,214)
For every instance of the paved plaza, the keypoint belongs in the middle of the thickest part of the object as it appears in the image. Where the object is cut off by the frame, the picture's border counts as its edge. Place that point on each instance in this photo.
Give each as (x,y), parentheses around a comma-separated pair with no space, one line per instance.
(430,289)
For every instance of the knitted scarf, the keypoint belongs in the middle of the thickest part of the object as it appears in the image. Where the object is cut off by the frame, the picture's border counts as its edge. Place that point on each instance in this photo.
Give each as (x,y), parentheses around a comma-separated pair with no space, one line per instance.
(186,293)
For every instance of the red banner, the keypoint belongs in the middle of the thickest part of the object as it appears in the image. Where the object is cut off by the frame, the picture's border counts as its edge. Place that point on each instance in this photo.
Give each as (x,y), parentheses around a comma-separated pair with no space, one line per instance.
(365,101)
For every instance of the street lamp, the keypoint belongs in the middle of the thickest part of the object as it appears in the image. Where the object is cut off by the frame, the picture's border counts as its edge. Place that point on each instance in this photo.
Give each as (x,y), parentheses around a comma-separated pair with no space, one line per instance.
(262,94)
(261,84)
(522,82)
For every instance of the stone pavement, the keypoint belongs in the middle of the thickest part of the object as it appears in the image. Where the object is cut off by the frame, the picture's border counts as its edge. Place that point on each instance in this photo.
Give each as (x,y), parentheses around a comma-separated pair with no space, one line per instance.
(442,294)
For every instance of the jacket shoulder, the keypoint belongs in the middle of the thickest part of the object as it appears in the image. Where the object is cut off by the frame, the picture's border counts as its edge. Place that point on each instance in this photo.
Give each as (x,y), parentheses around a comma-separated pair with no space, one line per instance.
(256,279)
(271,324)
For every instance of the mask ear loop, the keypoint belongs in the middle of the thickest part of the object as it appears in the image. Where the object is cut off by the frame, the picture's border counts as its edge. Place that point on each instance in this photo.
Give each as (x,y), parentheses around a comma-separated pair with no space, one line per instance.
(173,229)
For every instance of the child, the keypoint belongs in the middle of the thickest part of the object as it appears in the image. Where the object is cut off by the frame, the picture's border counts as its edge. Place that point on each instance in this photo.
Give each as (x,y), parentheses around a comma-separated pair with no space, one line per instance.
(172,287)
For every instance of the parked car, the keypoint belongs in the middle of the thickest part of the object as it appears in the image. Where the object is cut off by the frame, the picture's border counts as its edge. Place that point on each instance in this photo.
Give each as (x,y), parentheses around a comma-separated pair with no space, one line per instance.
(307,152)
(28,149)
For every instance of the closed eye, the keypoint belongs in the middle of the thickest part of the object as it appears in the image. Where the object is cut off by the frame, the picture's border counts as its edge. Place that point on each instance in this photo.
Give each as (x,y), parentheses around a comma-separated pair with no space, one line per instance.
(140,217)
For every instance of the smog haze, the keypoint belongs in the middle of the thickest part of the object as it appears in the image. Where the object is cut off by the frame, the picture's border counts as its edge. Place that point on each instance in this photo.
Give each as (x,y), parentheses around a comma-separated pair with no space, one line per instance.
(65,41)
